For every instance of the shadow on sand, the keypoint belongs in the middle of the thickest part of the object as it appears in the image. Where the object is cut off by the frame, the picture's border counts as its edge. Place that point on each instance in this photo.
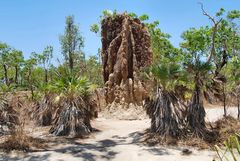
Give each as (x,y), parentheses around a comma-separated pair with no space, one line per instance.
(102,149)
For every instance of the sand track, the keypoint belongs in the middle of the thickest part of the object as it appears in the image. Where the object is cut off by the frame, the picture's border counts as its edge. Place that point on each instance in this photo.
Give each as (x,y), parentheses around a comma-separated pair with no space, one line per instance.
(116,140)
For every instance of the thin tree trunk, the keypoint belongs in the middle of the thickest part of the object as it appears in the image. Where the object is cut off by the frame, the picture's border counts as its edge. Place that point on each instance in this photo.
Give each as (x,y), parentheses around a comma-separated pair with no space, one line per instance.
(99,58)
(28,77)
(6,74)
(30,83)
(238,107)
(31,87)
(70,62)
(16,74)
(50,76)
(46,76)
(224,101)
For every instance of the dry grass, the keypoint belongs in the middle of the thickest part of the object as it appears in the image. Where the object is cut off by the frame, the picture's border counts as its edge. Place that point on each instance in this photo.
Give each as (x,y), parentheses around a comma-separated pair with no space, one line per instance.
(18,138)
(226,127)
(197,142)
(20,141)
(151,139)
(220,130)
(190,141)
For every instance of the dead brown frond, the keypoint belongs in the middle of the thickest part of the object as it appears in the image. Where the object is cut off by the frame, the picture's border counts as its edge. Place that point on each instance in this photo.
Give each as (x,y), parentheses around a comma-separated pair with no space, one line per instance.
(8,115)
(45,109)
(167,114)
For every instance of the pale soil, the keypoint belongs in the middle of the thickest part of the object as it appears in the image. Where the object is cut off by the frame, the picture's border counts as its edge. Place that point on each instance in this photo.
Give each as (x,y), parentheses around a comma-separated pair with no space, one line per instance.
(124,112)
(116,140)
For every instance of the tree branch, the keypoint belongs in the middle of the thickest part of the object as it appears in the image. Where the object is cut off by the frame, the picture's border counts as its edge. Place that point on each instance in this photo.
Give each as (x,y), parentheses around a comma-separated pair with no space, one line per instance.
(215,25)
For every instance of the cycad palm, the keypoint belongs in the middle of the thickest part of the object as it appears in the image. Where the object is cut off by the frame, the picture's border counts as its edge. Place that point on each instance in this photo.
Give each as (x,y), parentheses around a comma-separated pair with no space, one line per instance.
(166,111)
(76,108)
(166,74)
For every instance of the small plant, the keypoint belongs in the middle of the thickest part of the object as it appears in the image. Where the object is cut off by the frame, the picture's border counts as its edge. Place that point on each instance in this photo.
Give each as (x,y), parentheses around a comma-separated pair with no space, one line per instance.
(231,149)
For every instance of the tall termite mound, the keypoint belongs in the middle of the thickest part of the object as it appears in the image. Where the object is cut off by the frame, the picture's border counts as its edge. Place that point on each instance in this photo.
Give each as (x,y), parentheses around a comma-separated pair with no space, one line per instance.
(125,50)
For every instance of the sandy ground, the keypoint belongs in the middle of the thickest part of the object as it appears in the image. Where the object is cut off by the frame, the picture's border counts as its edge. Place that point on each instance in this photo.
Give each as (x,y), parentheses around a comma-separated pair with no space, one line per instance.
(116,140)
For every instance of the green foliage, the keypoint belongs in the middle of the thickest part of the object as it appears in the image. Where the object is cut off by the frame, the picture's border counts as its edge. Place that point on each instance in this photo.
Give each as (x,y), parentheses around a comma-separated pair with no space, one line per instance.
(94,28)
(196,50)
(5,88)
(44,59)
(167,60)
(4,48)
(232,73)
(163,50)
(166,74)
(143,17)
(16,58)
(106,13)
(94,72)
(220,12)
(197,42)
(71,87)
(233,14)
(133,15)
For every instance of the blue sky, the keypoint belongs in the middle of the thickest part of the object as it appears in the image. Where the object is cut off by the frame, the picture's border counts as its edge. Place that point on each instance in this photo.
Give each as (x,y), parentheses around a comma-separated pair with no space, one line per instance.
(30,25)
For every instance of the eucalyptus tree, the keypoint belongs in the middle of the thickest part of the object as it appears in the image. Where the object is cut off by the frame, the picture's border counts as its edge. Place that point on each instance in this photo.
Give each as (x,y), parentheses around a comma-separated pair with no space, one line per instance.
(10,58)
(16,61)
(4,60)
(44,59)
(225,47)
(29,66)
(232,85)
(231,36)
(71,42)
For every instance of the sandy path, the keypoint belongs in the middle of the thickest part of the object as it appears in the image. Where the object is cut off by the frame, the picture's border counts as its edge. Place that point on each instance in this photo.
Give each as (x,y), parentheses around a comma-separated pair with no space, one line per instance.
(213,114)
(117,140)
